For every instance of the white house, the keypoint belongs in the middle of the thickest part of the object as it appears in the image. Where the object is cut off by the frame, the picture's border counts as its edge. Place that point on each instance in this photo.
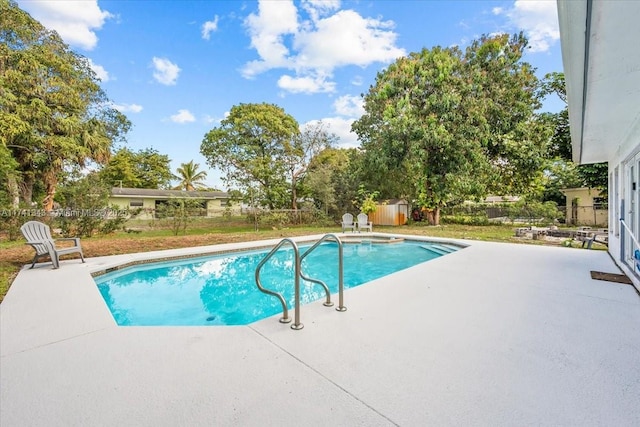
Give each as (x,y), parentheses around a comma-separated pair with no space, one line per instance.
(601,56)
(213,203)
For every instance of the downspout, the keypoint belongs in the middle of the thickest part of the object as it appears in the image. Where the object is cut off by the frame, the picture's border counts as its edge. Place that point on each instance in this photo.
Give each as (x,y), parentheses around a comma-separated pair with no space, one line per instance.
(585,80)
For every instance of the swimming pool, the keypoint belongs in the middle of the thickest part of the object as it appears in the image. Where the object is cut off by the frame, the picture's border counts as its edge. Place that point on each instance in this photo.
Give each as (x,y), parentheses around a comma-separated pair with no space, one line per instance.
(221,289)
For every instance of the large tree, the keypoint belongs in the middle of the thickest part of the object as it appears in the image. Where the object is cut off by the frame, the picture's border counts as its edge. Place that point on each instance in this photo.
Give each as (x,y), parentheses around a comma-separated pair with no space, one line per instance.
(313,138)
(443,126)
(251,147)
(318,182)
(53,113)
(190,177)
(146,168)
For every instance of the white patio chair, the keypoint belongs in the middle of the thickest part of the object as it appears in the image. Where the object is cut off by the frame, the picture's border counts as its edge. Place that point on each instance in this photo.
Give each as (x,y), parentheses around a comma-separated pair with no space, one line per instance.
(347,223)
(38,236)
(363,222)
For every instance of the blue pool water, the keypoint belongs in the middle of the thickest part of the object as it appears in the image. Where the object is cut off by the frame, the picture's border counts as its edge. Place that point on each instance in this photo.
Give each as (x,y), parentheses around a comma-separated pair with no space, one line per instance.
(221,289)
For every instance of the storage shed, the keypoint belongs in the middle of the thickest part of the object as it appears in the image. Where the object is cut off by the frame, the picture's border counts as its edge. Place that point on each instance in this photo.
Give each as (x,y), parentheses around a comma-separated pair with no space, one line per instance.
(390,212)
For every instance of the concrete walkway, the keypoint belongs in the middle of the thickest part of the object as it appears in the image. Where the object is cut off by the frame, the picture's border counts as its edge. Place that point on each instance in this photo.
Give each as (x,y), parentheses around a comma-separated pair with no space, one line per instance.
(495,334)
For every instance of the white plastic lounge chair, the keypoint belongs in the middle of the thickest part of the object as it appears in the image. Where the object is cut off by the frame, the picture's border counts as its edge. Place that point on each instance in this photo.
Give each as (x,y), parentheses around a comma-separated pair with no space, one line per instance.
(38,235)
(347,223)
(363,222)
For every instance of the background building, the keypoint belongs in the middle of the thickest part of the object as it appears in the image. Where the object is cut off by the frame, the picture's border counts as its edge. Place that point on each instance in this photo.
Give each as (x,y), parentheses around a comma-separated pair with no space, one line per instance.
(211,203)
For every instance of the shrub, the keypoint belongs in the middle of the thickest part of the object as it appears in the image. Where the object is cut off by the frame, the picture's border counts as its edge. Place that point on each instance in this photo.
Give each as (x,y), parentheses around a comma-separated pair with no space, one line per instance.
(479,219)
(176,213)
(534,211)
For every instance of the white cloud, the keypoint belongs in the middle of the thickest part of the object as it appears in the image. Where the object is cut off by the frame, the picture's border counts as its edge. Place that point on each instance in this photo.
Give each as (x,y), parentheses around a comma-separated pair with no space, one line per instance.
(537,18)
(316,46)
(267,30)
(346,38)
(357,81)
(211,119)
(317,8)
(306,84)
(166,72)
(101,73)
(342,129)
(128,108)
(209,27)
(75,21)
(183,116)
(349,106)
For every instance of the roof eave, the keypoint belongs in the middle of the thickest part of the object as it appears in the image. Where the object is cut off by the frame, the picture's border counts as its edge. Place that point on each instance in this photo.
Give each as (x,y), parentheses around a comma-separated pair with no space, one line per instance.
(574,23)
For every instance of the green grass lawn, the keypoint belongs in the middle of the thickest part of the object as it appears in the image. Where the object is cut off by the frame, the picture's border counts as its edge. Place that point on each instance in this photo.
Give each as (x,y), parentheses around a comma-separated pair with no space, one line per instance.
(14,255)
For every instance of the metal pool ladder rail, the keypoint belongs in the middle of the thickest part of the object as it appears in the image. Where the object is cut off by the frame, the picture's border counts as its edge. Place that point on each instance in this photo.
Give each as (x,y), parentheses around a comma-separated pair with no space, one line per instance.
(285,311)
(328,303)
(298,274)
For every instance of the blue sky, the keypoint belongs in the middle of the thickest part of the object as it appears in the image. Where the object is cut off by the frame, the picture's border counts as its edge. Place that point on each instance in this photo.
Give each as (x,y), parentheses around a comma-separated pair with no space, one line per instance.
(175,68)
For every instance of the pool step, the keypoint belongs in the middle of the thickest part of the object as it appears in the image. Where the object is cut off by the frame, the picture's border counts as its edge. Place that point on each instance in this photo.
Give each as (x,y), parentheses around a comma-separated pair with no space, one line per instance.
(439,249)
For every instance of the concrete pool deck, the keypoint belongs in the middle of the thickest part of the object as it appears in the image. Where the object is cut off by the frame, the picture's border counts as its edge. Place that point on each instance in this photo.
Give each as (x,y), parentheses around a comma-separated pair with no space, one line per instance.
(495,334)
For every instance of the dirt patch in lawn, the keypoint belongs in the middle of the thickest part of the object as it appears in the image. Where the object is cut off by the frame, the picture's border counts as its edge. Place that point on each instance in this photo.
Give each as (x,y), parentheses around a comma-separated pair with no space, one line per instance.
(20,255)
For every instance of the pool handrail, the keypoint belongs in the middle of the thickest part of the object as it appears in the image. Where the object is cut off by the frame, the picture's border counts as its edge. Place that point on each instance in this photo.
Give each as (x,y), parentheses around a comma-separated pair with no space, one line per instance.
(285,311)
(328,302)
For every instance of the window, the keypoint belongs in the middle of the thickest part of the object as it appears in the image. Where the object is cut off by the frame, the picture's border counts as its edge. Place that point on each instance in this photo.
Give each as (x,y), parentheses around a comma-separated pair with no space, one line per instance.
(136,203)
(616,202)
(600,203)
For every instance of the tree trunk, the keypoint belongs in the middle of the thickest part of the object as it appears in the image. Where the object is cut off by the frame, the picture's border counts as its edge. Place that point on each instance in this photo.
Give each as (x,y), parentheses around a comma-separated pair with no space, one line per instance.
(294,196)
(50,183)
(26,189)
(294,182)
(14,194)
(433,215)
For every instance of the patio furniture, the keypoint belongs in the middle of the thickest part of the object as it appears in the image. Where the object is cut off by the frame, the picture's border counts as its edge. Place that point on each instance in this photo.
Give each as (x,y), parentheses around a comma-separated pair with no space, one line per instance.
(600,236)
(38,236)
(347,223)
(363,222)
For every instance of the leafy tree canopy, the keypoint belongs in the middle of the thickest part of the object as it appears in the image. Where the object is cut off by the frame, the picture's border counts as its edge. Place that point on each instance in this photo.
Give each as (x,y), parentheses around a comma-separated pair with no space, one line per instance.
(190,177)
(314,138)
(146,168)
(252,147)
(562,172)
(329,181)
(53,113)
(442,125)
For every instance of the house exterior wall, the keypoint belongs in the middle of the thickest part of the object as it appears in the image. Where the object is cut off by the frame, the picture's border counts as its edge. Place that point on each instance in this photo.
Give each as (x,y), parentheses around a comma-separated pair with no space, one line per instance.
(148,205)
(218,207)
(624,215)
(602,72)
(215,207)
(582,210)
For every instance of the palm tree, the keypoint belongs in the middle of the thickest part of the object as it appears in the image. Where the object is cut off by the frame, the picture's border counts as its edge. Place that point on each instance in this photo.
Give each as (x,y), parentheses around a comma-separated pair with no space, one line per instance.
(189,176)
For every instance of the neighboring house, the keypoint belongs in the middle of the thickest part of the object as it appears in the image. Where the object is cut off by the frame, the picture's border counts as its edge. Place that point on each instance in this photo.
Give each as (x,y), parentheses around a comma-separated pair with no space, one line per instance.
(213,203)
(585,206)
(501,199)
(602,73)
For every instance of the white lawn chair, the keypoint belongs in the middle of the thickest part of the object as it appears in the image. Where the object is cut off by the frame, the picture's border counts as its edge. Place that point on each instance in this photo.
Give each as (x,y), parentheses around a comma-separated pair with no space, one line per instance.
(347,223)
(363,222)
(38,235)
